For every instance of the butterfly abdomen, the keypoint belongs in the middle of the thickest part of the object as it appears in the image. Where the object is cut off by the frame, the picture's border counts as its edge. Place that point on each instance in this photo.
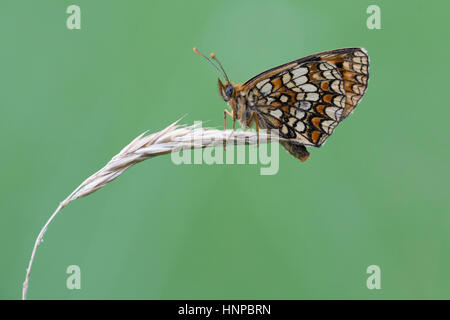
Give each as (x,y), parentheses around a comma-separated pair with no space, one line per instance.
(296,149)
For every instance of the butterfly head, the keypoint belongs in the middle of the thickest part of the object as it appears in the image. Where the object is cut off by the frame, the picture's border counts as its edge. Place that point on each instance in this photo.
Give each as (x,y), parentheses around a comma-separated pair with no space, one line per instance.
(226,88)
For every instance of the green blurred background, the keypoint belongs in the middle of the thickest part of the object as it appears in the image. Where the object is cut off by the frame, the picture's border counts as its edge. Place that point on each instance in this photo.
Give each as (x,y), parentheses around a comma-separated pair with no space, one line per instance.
(376,193)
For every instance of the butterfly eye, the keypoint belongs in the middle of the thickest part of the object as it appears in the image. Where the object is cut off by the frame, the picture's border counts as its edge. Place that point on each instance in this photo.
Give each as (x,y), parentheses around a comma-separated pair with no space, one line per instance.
(229,90)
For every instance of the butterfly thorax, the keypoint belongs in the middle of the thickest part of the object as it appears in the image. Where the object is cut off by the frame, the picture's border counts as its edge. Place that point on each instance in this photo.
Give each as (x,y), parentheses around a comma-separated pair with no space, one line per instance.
(243,106)
(236,96)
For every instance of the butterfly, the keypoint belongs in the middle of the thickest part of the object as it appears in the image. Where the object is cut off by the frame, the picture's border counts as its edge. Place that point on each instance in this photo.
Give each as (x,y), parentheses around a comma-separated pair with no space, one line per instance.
(303,100)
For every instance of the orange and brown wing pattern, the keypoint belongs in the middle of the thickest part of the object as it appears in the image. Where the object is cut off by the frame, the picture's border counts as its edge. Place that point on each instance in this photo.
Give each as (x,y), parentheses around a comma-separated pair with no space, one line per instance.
(307,98)
(305,102)
(353,64)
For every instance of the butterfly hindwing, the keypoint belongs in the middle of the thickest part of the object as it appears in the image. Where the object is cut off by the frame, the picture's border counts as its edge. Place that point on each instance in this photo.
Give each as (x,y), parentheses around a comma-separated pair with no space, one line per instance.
(353,64)
(307,98)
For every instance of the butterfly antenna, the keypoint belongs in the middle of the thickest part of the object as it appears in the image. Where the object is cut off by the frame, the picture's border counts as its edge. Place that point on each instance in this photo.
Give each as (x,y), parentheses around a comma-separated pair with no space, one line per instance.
(213,56)
(213,64)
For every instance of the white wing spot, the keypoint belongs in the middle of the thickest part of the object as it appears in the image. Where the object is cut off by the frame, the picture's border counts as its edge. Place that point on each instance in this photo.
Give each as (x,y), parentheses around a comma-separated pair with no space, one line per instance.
(299,114)
(286,78)
(300,96)
(299,72)
(284,98)
(266,89)
(300,127)
(308,87)
(260,84)
(301,80)
(276,113)
(305,105)
(332,112)
(312,96)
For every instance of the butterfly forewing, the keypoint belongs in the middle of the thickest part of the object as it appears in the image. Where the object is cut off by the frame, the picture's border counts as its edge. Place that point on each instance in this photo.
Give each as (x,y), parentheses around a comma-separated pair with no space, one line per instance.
(307,98)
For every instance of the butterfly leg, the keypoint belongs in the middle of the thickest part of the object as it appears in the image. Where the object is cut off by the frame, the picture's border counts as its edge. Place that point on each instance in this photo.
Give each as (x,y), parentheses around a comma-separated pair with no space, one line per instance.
(225,113)
(234,123)
(256,124)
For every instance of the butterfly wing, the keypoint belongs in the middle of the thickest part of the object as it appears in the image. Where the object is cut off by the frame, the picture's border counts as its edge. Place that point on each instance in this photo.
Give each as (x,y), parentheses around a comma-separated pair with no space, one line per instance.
(307,98)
